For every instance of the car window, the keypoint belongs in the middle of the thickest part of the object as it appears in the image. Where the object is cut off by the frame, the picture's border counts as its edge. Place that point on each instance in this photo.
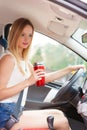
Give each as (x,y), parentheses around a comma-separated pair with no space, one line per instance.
(52,54)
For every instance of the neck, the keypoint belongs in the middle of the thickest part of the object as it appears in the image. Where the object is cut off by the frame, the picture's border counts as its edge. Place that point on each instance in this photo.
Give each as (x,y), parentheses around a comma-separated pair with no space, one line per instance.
(20,53)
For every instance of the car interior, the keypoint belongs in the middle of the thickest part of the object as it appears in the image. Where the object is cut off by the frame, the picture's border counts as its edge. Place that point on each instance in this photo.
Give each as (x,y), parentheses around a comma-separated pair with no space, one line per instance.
(59,20)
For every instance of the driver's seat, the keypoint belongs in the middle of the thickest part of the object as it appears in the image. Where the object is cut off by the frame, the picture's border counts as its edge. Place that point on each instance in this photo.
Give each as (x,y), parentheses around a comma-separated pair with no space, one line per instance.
(3,45)
(1,50)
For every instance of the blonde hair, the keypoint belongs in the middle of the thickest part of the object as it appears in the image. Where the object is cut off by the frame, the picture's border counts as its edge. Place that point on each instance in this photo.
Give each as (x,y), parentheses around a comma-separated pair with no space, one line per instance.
(16,29)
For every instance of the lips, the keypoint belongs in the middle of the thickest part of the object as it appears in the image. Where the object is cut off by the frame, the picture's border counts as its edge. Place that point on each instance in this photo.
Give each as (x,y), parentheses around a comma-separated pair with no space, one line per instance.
(25,43)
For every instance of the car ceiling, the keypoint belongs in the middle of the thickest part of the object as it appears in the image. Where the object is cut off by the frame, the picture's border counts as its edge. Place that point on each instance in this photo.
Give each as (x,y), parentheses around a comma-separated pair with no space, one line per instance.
(47,17)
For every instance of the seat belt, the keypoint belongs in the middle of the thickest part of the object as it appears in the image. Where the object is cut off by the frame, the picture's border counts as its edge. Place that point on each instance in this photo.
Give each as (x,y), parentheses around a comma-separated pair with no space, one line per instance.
(14,118)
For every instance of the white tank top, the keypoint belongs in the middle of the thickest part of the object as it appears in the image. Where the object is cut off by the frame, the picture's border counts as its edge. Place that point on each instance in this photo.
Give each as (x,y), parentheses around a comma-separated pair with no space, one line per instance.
(16,77)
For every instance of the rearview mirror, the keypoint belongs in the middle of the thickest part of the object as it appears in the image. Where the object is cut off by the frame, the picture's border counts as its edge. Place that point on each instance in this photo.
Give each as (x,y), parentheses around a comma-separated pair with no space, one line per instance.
(84,38)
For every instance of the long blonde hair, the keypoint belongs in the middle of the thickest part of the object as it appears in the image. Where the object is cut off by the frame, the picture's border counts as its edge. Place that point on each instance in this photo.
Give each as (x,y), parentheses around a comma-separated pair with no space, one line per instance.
(16,29)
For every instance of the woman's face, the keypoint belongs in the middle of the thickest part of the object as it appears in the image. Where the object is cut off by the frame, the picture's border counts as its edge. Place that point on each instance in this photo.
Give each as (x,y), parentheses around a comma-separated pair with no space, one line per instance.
(25,38)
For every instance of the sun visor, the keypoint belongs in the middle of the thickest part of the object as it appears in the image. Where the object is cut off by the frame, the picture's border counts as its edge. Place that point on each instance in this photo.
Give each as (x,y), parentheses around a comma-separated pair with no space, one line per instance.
(62,31)
(64,24)
(58,28)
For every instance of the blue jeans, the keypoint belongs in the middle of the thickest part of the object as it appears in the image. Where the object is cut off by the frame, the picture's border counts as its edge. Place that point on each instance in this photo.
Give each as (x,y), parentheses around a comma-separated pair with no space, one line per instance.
(6,109)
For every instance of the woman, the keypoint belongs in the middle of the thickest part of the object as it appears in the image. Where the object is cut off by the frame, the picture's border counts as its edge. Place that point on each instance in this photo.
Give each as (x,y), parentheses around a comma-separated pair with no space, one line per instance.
(16,74)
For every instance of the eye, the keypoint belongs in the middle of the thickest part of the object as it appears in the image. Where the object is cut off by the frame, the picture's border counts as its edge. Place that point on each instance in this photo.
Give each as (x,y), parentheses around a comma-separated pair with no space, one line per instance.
(30,35)
(22,34)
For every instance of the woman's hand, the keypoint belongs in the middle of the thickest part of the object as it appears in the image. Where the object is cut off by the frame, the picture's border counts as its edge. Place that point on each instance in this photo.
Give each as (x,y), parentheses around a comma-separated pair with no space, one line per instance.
(37,75)
(76,67)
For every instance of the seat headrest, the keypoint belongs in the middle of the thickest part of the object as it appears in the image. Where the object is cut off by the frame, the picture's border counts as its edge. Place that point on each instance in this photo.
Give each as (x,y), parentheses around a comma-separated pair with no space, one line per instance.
(3,42)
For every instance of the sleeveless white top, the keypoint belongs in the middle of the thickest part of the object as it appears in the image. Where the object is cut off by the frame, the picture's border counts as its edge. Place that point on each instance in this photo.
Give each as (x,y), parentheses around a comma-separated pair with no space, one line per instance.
(16,77)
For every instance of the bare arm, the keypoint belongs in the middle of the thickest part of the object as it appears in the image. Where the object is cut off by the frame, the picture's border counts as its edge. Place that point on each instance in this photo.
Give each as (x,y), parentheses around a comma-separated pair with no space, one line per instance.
(58,74)
(6,68)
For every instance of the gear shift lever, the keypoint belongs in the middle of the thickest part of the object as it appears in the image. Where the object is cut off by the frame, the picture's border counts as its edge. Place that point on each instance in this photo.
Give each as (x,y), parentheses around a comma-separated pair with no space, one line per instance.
(50,120)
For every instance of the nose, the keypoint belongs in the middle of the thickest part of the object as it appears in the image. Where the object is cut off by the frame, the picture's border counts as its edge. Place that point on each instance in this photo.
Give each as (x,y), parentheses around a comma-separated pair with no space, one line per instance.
(26,38)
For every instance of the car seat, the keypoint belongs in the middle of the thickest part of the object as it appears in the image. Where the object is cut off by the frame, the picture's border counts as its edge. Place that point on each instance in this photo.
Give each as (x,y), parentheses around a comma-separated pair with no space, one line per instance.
(3,45)
(1,50)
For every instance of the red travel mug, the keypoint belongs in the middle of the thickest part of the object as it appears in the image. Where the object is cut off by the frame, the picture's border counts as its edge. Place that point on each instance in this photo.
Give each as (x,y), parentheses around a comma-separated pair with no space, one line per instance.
(42,81)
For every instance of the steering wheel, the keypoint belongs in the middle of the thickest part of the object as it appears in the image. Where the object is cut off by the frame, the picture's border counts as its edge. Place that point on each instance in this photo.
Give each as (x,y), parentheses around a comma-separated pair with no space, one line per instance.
(69,89)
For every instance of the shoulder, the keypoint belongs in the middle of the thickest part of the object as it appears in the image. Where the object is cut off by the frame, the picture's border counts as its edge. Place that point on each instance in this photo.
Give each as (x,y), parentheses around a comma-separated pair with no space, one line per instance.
(7,59)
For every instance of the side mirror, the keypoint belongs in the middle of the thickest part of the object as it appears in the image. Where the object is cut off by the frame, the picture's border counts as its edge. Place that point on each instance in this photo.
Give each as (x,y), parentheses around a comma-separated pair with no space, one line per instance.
(84,38)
